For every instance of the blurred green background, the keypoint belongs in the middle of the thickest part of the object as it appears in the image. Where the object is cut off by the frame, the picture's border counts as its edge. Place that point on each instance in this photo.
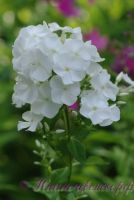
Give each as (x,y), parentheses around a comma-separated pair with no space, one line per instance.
(110,24)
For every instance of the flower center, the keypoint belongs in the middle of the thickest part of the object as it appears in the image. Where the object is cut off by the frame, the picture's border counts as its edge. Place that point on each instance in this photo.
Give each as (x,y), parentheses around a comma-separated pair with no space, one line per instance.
(66,69)
(94,108)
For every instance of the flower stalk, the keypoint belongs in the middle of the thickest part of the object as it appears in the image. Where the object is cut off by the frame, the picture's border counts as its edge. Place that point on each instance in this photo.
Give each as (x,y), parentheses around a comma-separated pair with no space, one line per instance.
(67,127)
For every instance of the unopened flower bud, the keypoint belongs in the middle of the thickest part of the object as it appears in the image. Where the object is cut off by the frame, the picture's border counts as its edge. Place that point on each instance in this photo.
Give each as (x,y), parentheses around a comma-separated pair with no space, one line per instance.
(121,102)
(37,163)
(82,123)
(119,77)
(123,94)
(37,142)
(35,152)
(74,113)
(47,128)
(59,131)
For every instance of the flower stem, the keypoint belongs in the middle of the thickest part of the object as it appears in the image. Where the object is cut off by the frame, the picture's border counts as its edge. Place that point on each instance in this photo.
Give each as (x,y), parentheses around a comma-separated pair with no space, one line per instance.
(67,126)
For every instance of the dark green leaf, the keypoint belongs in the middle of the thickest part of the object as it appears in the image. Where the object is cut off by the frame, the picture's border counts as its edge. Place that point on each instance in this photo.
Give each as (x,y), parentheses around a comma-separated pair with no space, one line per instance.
(77,150)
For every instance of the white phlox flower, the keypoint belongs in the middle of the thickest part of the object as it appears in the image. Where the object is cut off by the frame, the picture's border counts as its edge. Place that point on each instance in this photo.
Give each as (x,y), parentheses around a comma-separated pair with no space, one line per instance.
(51,45)
(28,38)
(95,107)
(55,67)
(101,82)
(31,121)
(44,104)
(123,76)
(70,69)
(64,94)
(25,91)
(93,68)
(36,65)
(75,32)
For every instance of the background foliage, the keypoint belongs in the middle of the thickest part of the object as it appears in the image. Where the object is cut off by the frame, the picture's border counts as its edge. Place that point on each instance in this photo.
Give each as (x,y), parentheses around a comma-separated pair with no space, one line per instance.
(109,150)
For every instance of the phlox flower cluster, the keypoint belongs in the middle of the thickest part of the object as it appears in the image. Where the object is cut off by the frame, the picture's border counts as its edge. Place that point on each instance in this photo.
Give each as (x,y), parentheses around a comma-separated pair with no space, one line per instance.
(55,67)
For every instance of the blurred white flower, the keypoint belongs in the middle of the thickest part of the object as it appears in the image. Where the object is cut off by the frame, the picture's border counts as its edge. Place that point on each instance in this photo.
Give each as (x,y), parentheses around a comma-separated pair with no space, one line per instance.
(25,91)
(51,45)
(54,65)
(111,114)
(93,69)
(75,32)
(91,50)
(70,69)
(36,65)
(101,82)
(28,38)
(122,76)
(95,107)
(64,94)
(44,104)
(31,122)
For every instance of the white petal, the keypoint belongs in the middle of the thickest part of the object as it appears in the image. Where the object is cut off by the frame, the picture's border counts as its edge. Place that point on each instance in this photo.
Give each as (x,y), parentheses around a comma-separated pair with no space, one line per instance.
(115,113)
(47,109)
(93,69)
(40,74)
(23,125)
(125,77)
(111,91)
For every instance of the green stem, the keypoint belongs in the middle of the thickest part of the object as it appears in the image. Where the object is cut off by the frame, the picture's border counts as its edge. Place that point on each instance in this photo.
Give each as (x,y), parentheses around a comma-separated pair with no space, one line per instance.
(67,126)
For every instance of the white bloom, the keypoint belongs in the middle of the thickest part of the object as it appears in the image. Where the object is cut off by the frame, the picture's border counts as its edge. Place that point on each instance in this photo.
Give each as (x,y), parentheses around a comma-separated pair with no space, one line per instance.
(53,65)
(73,45)
(35,64)
(70,69)
(28,39)
(91,50)
(44,105)
(25,91)
(64,94)
(95,107)
(85,51)
(112,114)
(101,82)
(51,44)
(93,69)
(31,121)
(124,77)
(75,32)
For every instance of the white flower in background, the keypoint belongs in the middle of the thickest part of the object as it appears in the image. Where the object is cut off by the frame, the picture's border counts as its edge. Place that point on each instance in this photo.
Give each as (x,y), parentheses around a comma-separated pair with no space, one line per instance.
(25,91)
(129,87)
(54,65)
(101,82)
(44,104)
(70,69)
(95,107)
(124,77)
(31,122)
(64,94)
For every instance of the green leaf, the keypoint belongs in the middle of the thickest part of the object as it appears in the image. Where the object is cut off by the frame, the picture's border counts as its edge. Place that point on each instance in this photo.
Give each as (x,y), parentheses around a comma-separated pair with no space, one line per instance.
(60,175)
(77,150)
